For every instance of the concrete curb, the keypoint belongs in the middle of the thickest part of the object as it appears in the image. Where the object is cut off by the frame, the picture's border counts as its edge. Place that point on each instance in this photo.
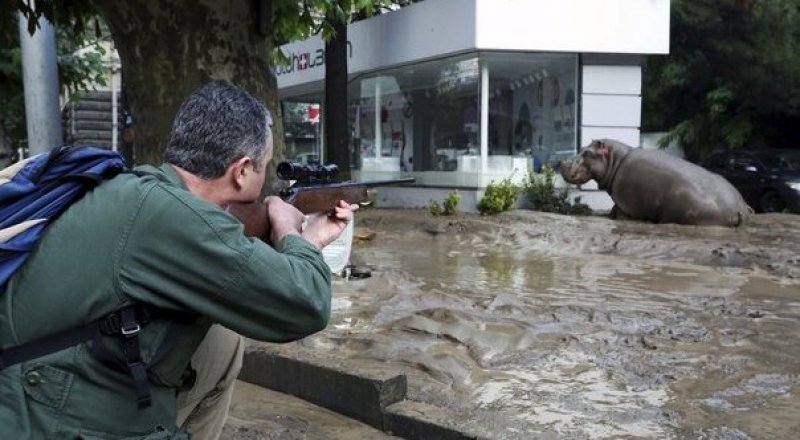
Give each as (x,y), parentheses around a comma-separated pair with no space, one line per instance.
(375,398)
(416,420)
(359,397)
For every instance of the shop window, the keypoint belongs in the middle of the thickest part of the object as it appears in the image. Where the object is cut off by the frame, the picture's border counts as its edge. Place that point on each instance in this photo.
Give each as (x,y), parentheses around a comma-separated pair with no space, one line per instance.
(426,117)
(532,106)
(302,130)
(422,117)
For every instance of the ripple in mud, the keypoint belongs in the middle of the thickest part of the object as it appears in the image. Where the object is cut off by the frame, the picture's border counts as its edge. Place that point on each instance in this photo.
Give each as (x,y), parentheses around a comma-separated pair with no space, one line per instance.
(752,393)
(722,433)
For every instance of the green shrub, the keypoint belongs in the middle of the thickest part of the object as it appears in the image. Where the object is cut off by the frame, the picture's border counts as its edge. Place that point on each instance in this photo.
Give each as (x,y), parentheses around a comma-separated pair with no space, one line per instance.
(450,204)
(544,196)
(498,197)
(435,208)
(448,207)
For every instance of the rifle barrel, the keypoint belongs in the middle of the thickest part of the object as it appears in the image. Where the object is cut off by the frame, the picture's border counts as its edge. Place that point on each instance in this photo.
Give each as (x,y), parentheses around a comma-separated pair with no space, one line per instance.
(387,181)
(368,183)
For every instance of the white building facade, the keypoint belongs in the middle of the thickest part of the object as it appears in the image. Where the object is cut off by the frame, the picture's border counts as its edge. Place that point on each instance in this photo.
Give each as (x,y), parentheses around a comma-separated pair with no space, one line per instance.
(459,93)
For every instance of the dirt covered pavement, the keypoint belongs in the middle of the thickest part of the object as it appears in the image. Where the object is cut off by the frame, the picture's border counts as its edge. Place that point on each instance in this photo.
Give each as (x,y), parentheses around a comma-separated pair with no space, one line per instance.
(580,327)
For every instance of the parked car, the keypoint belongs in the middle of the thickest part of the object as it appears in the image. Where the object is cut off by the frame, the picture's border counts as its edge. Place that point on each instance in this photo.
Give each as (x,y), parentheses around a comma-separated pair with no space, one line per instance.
(769,180)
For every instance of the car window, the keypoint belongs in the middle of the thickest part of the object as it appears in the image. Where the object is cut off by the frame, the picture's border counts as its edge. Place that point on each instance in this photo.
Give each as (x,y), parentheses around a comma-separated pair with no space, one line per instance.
(785,161)
(744,161)
(720,161)
(789,162)
(771,161)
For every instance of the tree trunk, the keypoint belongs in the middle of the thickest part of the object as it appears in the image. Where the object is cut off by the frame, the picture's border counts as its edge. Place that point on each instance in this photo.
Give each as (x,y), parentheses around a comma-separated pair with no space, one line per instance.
(170,49)
(335,111)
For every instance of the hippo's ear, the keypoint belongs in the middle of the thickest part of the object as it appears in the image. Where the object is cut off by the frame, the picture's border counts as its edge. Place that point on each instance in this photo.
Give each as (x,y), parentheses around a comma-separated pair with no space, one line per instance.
(601,149)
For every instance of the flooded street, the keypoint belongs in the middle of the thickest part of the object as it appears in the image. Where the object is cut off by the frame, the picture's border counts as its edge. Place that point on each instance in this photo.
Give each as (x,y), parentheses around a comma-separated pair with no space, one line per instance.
(580,327)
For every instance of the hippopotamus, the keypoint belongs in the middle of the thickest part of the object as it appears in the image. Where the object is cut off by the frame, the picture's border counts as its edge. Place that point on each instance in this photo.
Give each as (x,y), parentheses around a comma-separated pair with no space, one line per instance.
(651,185)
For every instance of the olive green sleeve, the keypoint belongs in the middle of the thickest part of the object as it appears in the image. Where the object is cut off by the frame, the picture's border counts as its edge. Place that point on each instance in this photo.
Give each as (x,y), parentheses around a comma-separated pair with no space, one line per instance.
(183,253)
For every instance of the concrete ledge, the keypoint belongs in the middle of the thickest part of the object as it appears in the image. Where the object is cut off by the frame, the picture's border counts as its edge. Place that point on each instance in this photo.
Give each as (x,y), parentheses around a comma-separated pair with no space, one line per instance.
(416,420)
(362,397)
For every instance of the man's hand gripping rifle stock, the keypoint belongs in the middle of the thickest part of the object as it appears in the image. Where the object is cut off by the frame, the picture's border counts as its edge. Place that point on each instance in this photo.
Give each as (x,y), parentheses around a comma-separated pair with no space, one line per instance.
(315,189)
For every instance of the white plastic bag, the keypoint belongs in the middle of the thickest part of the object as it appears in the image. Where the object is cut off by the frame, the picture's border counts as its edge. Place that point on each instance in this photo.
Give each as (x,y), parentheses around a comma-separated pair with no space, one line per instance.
(337,254)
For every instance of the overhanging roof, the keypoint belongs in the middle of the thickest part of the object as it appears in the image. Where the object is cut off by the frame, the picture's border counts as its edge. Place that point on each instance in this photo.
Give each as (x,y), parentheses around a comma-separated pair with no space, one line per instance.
(438,28)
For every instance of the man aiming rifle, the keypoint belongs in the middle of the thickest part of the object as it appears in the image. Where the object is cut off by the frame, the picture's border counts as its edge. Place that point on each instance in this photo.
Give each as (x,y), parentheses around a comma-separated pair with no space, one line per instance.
(159,274)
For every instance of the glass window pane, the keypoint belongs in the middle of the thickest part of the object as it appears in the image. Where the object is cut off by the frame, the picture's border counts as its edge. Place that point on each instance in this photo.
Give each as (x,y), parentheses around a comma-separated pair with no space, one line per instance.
(425,117)
(302,133)
(532,106)
(421,117)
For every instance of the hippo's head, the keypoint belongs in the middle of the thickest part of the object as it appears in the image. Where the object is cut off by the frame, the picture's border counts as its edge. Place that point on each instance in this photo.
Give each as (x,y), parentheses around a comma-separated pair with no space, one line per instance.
(592,162)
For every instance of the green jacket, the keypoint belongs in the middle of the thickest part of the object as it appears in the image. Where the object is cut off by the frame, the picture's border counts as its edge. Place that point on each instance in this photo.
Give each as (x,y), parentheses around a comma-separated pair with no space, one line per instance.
(148,240)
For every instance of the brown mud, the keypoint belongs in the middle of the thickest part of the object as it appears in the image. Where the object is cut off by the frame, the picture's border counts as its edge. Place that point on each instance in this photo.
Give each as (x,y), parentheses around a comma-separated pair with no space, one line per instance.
(580,327)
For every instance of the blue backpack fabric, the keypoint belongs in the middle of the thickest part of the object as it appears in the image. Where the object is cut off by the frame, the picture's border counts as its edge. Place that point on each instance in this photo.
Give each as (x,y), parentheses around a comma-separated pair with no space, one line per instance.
(34,192)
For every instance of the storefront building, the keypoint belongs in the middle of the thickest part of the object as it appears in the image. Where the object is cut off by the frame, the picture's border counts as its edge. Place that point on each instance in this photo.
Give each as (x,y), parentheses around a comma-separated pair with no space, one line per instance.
(459,93)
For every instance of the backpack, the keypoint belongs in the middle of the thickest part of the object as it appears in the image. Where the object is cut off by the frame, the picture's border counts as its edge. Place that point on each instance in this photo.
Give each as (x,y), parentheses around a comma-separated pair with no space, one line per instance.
(35,191)
(32,194)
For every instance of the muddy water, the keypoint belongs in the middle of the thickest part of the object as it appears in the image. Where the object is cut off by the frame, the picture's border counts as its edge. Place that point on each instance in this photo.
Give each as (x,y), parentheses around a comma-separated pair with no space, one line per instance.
(581,327)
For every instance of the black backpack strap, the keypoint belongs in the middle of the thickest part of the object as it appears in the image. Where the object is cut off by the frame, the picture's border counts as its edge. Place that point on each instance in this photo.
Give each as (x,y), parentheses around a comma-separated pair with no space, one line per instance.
(46,345)
(129,329)
(126,324)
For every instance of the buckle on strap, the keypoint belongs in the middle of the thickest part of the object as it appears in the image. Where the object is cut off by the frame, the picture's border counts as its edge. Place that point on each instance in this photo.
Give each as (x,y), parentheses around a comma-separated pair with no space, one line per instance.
(128,326)
(131,329)
(126,322)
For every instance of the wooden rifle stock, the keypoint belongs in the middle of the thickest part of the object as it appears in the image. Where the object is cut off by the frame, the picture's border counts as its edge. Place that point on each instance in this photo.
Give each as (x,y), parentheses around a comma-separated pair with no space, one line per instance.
(323,197)
(254,218)
(307,199)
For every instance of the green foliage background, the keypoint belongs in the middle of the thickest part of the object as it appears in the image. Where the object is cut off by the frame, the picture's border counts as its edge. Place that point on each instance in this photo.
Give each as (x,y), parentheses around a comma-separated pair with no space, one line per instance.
(732,78)
(79,29)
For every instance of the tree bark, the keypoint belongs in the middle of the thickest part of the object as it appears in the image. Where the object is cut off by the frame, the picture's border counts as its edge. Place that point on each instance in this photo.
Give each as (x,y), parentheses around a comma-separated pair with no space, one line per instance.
(170,49)
(335,111)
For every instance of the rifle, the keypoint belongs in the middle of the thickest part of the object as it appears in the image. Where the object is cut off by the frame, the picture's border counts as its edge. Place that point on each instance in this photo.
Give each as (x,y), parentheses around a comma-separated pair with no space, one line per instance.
(316,189)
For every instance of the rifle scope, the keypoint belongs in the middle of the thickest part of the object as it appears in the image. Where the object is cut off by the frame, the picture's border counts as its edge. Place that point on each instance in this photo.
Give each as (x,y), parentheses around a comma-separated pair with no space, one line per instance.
(307,172)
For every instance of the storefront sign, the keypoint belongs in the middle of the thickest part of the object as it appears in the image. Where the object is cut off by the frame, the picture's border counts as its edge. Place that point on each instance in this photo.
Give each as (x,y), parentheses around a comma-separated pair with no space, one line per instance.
(307,60)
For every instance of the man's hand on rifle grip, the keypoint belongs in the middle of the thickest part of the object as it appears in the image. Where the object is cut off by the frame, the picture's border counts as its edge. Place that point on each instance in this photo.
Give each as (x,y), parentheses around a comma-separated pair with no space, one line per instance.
(322,228)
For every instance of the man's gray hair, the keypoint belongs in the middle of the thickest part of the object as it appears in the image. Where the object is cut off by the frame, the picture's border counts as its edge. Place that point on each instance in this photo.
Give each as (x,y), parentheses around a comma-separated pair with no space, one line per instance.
(217,125)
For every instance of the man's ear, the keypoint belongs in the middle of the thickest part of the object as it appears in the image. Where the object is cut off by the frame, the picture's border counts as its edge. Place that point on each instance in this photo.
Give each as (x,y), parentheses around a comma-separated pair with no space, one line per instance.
(239,169)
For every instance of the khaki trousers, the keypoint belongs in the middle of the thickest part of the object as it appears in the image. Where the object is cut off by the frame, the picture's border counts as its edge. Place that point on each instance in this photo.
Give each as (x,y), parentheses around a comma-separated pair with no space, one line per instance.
(203,408)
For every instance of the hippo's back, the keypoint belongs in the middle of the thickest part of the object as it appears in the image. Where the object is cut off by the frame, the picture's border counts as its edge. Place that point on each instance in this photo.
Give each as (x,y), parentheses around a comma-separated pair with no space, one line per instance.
(712,193)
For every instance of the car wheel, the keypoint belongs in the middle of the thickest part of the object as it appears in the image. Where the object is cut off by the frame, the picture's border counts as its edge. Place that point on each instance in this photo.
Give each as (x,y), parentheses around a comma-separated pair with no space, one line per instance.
(771,202)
